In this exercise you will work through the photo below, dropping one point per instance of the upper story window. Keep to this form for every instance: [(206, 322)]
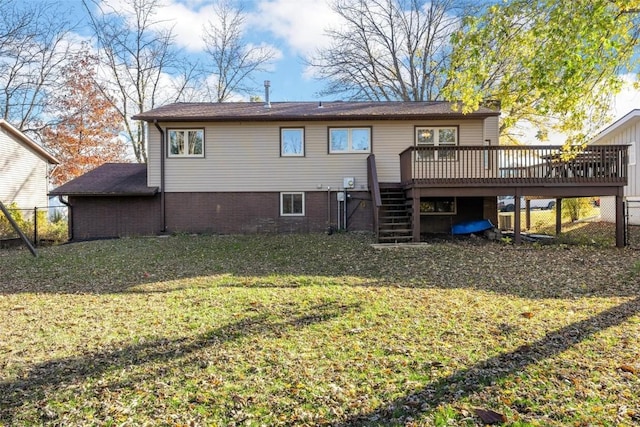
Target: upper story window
[(349, 140), (186, 142), (292, 142), (437, 137)]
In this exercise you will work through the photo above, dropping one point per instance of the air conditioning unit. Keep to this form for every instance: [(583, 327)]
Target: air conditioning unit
[(348, 182)]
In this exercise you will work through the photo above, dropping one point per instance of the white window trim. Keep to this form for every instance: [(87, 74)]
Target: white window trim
[(436, 141), (350, 149), (286, 193), (282, 152), (632, 153), (185, 131)]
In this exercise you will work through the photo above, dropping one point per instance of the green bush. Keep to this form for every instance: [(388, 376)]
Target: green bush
[(6, 229), (574, 209)]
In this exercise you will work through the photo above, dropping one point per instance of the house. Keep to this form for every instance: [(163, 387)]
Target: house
[(25, 168), (625, 131), (398, 169)]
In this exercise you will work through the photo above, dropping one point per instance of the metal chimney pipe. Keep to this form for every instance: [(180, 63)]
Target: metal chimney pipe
[(267, 103)]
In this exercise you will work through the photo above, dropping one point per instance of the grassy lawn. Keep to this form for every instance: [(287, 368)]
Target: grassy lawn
[(318, 330)]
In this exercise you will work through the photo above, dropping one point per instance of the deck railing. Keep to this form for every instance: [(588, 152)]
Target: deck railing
[(514, 165)]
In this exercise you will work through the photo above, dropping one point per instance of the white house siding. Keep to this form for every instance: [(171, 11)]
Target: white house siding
[(242, 157), (625, 131), (23, 174)]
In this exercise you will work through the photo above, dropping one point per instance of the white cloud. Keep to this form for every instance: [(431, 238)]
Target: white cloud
[(300, 24)]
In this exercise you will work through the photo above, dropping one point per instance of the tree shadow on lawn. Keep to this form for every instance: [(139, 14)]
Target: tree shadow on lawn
[(474, 379), (45, 378)]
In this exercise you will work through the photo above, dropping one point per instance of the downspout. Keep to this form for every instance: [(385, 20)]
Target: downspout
[(69, 215), (163, 220)]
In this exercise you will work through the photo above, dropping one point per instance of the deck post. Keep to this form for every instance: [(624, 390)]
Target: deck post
[(415, 216), (558, 216), (516, 220), (619, 221)]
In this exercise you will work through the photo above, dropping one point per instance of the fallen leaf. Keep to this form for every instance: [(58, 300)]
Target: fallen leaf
[(527, 314), (490, 417), (628, 368)]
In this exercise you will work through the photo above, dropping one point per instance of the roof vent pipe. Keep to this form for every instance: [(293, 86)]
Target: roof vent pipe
[(267, 103)]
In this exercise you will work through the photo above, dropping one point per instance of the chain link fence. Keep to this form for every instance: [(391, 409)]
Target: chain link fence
[(584, 220), (632, 216), (42, 225)]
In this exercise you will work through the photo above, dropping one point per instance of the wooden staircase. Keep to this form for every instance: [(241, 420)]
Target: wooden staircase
[(394, 217)]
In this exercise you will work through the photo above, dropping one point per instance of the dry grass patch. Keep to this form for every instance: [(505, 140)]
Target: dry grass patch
[(318, 330)]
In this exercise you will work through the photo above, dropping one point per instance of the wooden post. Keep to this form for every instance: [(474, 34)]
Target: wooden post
[(516, 220), (527, 214), (20, 233), (35, 226), (558, 216), (415, 216)]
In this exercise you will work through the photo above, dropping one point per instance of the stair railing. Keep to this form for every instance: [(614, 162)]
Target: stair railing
[(374, 188)]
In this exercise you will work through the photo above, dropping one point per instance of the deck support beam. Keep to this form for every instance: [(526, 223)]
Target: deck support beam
[(558, 216), (516, 220), (415, 216)]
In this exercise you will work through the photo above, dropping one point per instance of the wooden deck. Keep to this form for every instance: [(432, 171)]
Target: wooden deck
[(509, 166), (486, 171)]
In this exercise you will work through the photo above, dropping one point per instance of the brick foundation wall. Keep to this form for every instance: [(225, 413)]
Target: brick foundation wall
[(102, 217), (245, 213), (224, 213)]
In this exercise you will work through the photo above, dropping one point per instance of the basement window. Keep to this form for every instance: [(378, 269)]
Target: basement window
[(186, 142), (437, 206), (292, 204)]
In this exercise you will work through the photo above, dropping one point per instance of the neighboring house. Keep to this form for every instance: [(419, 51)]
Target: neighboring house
[(625, 131), (398, 169), (24, 169)]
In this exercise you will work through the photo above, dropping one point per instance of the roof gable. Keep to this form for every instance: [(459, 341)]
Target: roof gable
[(625, 120), (28, 142), (310, 111)]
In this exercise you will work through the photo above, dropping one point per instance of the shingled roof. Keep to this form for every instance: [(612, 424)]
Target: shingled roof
[(109, 179), (309, 111)]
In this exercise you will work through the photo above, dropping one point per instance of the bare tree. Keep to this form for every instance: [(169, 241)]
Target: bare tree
[(139, 60), (33, 48), (232, 61), (389, 49)]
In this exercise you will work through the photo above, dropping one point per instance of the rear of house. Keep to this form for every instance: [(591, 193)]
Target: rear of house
[(292, 167), (401, 170)]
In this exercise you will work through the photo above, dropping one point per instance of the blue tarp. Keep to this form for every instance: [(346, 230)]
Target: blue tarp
[(470, 227)]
